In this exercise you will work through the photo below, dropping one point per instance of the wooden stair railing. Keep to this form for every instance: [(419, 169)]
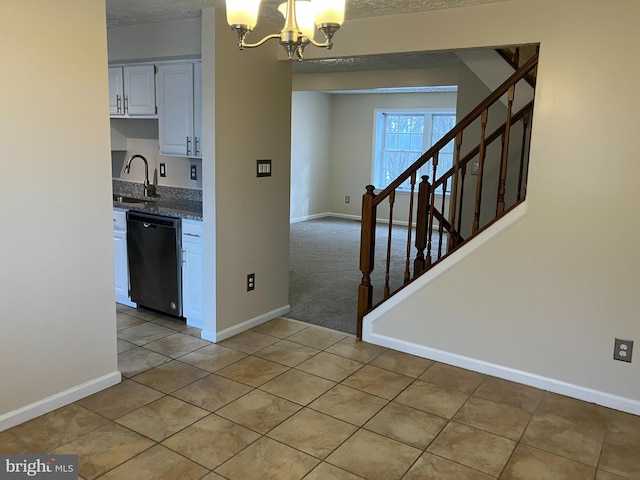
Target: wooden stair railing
[(514, 57), (450, 211)]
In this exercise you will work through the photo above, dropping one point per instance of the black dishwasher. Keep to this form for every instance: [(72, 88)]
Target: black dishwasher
[(154, 251)]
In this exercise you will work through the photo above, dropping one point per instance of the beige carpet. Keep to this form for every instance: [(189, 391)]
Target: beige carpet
[(324, 270)]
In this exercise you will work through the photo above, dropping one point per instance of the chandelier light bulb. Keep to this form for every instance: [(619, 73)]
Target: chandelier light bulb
[(328, 12), (243, 12)]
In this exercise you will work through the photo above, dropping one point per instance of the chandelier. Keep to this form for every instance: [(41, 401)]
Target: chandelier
[(300, 16)]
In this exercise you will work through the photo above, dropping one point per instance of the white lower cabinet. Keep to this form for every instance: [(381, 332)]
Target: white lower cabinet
[(192, 290), (120, 251)]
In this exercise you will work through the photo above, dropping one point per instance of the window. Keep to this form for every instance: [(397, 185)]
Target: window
[(401, 137)]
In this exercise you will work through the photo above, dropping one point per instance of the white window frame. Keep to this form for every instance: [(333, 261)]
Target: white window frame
[(378, 138)]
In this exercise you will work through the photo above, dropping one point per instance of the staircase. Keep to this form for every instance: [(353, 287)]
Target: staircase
[(447, 209)]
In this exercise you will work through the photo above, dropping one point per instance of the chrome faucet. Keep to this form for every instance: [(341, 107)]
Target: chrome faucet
[(149, 189)]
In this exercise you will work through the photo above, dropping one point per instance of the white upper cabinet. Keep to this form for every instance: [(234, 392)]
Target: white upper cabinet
[(132, 91), (197, 108), (180, 109), (116, 87)]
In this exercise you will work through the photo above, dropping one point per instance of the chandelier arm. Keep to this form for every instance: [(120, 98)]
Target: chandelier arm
[(264, 40), (328, 44)]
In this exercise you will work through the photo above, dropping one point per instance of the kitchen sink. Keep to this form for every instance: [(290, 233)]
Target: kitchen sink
[(125, 199)]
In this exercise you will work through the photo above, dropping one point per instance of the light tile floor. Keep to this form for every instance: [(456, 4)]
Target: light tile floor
[(286, 400)]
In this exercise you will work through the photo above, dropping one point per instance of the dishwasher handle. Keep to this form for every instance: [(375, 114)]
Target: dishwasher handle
[(153, 221)]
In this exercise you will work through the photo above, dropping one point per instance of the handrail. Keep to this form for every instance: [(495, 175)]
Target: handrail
[(448, 210), (514, 61), (490, 138), (464, 123)]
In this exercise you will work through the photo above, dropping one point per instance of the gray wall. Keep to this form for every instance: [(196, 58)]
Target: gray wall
[(548, 296), (58, 339), (338, 147), (252, 121), (310, 158)]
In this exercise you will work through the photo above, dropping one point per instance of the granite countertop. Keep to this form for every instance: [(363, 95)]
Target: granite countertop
[(170, 207), (171, 201)]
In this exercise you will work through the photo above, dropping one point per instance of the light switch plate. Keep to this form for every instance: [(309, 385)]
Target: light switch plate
[(264, 168)]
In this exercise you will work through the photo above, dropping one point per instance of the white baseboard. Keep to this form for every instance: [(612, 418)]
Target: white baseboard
[(46, 405), (196, 323), (358, 218), (526, 378), (125, 301), (344, 215), (304, 218), (316, 216), (544, 383), (241, 327)]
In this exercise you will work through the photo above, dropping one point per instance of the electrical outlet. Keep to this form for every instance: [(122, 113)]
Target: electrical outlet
[(622, 350), (347, 199), (251, 282), (163, 169), (194, 172)]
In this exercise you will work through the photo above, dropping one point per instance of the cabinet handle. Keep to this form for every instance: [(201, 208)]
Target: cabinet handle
[(188, 145), (189, 234), (126, 103), (118, 103), (184, 256), (197, 144)]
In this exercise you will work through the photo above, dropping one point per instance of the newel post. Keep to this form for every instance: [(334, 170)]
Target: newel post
[(422, 225), (367, 249)]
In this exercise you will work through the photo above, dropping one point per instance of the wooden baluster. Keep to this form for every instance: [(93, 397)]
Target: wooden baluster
[(524, 185), (441, 226), (407, 264), (392, 199), (523, 154), (367, 251), (454, 192), (432, 204), (505, 154), (516, 57), (463, 172), (422, 225), (481, 156)]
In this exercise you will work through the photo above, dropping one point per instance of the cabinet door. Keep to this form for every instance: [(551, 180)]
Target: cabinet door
[(175, 109), (192, 292), (120, 254), (197, 109), (120, 250), (140, 90), (116, 106)]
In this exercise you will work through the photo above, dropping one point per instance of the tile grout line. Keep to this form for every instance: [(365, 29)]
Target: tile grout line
[(358, 428)]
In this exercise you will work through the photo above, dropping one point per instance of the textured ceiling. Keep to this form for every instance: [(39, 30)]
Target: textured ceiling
[(122, 13), (133, 12), (389, 61)]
